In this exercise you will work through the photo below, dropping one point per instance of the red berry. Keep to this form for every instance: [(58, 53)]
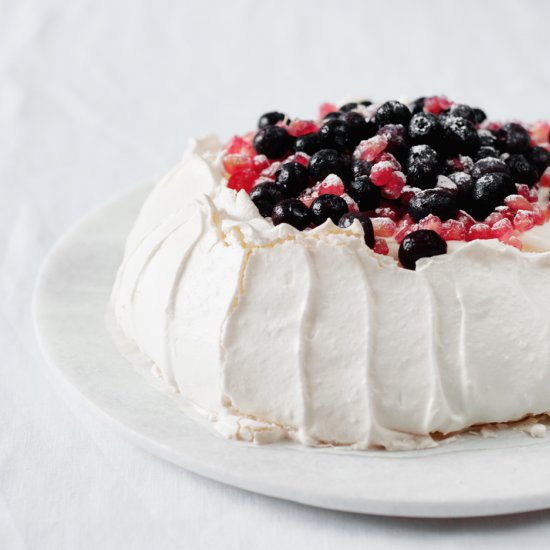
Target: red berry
[(431, 222), (503, 230), (235, 162), (388, 157), (407, 193), (404, 222), (493, 218), (392, 190), (436, 104), (239, 145), (545, 178), (517, 202), (244, 179), (331, 185), (403, 232), (302, 158), (381, 246), (381, 173), (271, 170), (479, 231), (465, 219), (260, 162), (506, 211), (515, 242), (539, 215), (371, 149), (352, 205), (539, 131), (453, 230), (299, 127), (387, 212), (524, 220), (383, 227), (326, 108)]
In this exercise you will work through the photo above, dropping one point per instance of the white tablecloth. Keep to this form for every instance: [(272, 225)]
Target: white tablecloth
[(98, 96)]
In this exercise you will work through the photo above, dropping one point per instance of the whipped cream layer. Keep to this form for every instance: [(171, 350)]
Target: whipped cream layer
[(312, 336)]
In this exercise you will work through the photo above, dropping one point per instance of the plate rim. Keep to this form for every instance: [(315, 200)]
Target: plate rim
[(425, 509)]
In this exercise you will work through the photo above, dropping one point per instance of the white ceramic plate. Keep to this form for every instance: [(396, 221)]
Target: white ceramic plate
[(469, 477)]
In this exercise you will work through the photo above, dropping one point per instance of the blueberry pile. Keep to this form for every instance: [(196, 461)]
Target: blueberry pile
[(436, 170)]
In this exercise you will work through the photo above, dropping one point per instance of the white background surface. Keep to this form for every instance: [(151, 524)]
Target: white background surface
[(98, 96)]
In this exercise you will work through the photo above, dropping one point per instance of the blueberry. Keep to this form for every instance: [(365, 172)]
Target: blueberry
[(489, 165), (417, 106), (488, 192), (463, 182), (521, 170), (423, 166), (292, 178), (486, 151), (348, 107), (273, 141), (270, 119), (392, 112), (293, 212), (397, 137), (463, 111), (486, 137), (439, 202), (514, 138), (336, 134), (265, 196), (329, 161), (360, 128), (361, 167), (459, 136), (347, 220), (364, 193), (425, 128), (423, 243), (540, 158), (332, 114), (309, 144), (365, 102), (479, 115), (328, 206)]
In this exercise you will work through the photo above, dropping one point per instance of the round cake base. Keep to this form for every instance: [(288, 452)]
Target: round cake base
[(468, 476)]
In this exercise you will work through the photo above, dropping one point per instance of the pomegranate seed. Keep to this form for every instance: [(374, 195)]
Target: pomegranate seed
[(260, 162), (302, 158), (239, 145), (436, 104), (402, 233), (539, 215), (430, 222), (236, 162), (387, 212), (506, 211), (244, 179), (370, 149), (524, 220), (271, 170), (515, 242), (493, 218), (394, 187), (299, 127), (331, 185), (492, 126), (308, 196), (404, 222), (517, 202), (407, 193), (383, 227), (547, 212), (326, 108), (465, 219), (530, 194), (381, 173), (388, 157), (503, 229), (540, 131), (545, 178), (460, 164), (381, 246), (479, 231), (453, 230), (352, 205)]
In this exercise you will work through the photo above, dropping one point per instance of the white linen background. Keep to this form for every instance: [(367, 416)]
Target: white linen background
[(99, 96)]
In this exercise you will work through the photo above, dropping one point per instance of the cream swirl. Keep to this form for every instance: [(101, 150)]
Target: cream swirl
[(311, 335)]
